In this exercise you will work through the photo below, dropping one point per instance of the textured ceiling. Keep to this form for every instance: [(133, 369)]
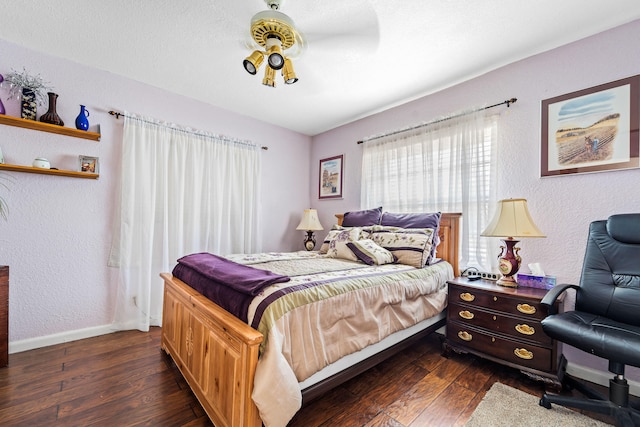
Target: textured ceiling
[(363, 56)]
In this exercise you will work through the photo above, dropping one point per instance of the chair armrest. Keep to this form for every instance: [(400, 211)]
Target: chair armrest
[(553, 294)]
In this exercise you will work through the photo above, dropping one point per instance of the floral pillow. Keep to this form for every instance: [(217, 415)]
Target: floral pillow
[(338, 245), (370, 253), (336, 229), (410, 246), (415, 220), (325, 243)]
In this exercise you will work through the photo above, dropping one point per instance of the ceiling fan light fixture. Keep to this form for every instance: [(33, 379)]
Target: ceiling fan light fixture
[(287, 72), (274, 53), (252, 62), (275, 32), (269, 77)]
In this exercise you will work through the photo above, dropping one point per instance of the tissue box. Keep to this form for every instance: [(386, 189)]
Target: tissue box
[(531, 281)]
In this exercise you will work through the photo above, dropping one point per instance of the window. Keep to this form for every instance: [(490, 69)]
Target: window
[(448, 166)]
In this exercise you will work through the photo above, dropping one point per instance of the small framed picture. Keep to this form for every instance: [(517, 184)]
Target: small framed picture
[(331, 178), (88, 164)]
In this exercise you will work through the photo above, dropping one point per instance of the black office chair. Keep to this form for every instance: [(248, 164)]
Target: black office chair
[(606, 319)]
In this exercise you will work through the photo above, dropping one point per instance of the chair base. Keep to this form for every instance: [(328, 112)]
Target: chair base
[(616, 405)]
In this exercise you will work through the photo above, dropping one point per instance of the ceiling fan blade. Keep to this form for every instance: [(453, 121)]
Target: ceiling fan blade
[(339, 26)]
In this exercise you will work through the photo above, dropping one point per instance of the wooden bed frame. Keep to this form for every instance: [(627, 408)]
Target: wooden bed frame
[(217, 353)]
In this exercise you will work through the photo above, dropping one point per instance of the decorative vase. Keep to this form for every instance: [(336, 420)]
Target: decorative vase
[(51, 116), (28, 104), (82, 122), (2, 110)]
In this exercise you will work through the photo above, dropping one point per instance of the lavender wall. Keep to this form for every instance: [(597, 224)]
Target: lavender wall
[(58, 235), (562, 207)]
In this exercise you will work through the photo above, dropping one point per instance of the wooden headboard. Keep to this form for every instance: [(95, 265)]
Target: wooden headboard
[(449, 248)]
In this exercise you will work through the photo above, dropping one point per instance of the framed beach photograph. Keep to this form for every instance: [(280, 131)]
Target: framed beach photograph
[(591, 130), (88, 164), (331, 177)]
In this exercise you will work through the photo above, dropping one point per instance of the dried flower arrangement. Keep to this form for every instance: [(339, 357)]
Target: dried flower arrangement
[(17, 81)]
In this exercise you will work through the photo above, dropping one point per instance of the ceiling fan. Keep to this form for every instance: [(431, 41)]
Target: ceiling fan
[(276, 38), (275, 32)]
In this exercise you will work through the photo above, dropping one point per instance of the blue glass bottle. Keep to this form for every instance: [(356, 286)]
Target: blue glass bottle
[(82, 122)]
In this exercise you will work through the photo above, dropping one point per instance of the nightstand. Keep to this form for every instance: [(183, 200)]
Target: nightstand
[(501, 324)]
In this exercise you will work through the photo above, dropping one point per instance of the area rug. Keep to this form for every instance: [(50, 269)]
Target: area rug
[(506, 406)]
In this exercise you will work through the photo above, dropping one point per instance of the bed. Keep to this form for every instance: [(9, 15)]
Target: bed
[(220, 356)]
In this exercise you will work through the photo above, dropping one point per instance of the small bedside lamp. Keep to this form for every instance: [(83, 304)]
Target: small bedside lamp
[(511, 220), (310, 223)]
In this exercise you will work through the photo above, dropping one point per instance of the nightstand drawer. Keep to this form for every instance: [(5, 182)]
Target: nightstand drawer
[(517, 327), (519, 353), (497, 302)]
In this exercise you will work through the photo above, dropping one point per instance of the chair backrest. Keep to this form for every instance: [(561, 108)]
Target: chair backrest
[(610, 281)]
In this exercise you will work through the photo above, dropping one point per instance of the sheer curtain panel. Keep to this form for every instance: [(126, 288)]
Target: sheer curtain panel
[(182, 191), (447, 166)]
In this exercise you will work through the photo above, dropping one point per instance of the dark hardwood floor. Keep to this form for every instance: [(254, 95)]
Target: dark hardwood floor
[(125, 379)]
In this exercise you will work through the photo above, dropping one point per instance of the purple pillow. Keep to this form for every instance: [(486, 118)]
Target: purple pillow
[(412, 220), (416, 220), (362, 218)]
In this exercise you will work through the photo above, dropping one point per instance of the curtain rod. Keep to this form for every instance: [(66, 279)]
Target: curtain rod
[(117, 115), (508, 102)]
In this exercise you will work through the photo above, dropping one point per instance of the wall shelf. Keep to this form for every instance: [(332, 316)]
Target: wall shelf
[(43, 171), (47, 127)]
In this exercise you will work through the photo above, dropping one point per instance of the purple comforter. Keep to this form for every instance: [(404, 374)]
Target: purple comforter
[(229, 284)]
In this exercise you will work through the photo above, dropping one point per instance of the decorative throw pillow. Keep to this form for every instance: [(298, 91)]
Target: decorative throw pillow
[(362, 218), (336, 229), (330, 236), (338, 245), (367, 251), (416, 220), (409, 246)]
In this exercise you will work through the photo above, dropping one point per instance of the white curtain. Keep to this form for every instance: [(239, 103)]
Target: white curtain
[(447, 166), (182, 191)]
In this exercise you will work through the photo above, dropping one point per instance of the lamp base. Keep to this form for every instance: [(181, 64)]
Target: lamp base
[(507, 281), (309, 241), (509, 263)]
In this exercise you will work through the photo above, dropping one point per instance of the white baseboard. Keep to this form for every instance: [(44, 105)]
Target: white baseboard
[(599, 377), (62, 337)]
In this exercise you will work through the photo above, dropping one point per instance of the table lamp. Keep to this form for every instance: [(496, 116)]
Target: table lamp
[(511, 220), (310, 223)]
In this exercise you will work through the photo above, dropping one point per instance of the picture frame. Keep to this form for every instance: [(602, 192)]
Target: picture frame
[(88, 164), (591, 130), (330, 177)]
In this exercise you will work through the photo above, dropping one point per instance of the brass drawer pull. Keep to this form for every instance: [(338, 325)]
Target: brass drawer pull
[(526, 309), (523, 353), (465, 336), (525, 329), (465, 296), (466, 315)]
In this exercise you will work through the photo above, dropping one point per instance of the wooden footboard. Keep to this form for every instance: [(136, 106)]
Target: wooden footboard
[(215, 352)]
